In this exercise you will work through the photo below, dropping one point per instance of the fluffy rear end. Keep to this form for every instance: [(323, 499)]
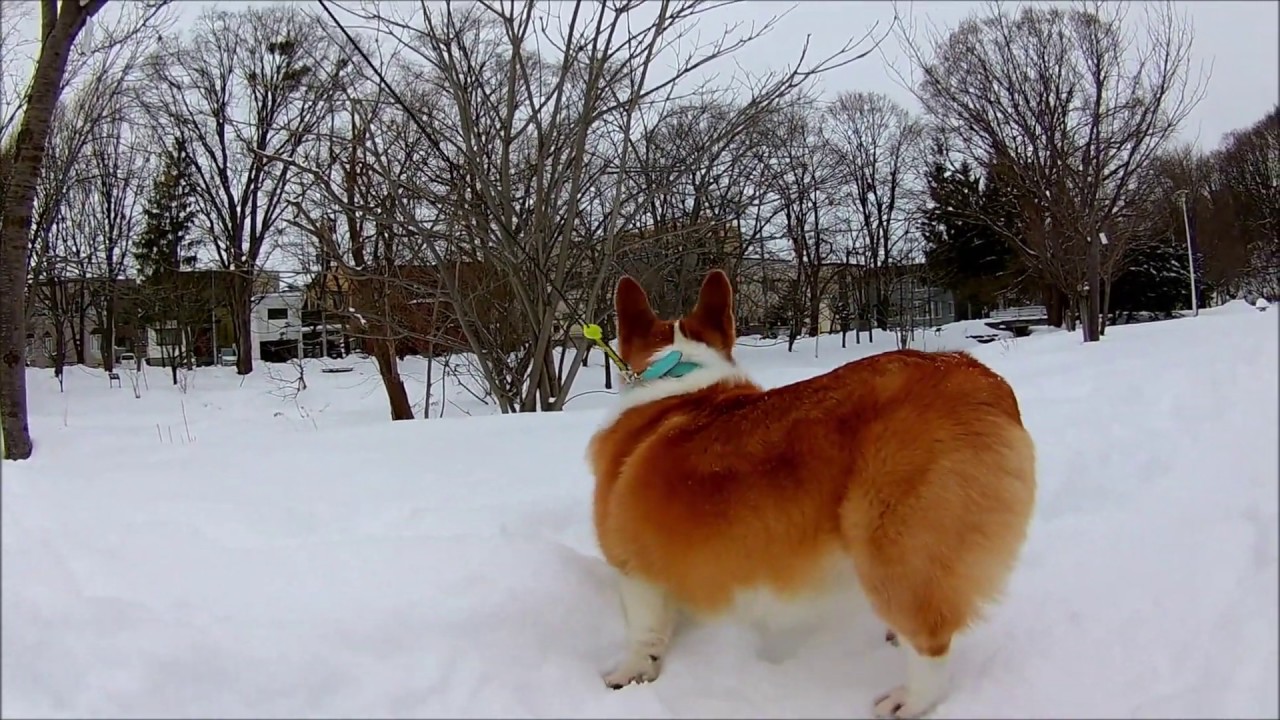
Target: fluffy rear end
[(935, 536)]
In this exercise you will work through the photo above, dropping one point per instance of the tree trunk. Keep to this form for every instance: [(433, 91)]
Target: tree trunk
[(59, 351), (1055, 308), (431, 357), (815, 306), (881, 312), (1092, 299), (58, 34), (389, 369), (555, 390), (108, 333), (426, 395), (241, 310), (80, 340)]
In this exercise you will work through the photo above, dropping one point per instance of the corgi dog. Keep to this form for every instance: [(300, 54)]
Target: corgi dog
[(911, 471)]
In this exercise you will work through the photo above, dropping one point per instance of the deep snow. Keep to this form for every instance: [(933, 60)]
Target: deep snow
[(269, 557)]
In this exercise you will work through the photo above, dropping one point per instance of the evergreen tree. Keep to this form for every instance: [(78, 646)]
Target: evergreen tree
[(1155, 280), (966, 251), (162, 250), (165, 246)]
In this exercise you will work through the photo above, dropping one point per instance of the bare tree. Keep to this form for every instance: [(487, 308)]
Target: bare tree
[(695, 178), (118, 173), (1248, 165), (341, 204), (880, 146), (530, 122), (1068, 104), (63, 279), (803, 175), (20, 166), (245, 91), (14, 82), (55, 271)]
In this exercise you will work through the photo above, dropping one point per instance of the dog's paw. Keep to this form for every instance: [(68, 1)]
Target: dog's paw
[(635, 670), (897, 703), (891, 637)]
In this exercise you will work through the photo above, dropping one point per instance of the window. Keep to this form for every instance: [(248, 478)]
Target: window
[(169, 337), (277, 313)]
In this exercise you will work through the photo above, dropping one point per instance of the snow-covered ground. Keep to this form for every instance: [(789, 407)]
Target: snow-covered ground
[(228, 552)]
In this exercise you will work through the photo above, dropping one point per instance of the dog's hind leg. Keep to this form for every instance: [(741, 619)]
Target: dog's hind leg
[(927, 680), (650, 617)]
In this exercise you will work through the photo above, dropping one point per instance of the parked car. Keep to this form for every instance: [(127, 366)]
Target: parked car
[(227, 357)]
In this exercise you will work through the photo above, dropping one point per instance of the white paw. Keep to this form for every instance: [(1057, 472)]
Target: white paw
[(897, 703), (635, 669)]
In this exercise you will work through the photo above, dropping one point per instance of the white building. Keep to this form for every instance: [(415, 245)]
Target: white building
[(165, 343), (276, 325)]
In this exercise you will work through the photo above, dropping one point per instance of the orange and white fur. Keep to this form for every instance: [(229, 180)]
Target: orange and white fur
[(909, 471)]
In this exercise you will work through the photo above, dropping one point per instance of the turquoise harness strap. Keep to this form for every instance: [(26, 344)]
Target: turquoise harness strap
[(670, 365)]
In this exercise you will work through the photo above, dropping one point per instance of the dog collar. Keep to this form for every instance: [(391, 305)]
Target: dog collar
[(671, 365)]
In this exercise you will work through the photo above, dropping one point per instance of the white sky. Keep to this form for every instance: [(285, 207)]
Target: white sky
[(1236, 45)]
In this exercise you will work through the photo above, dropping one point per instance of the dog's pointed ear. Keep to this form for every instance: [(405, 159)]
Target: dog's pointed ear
[(715, 303), (635, 316)]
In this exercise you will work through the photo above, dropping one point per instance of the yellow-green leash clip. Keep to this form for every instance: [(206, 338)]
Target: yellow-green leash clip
[(593, 333)]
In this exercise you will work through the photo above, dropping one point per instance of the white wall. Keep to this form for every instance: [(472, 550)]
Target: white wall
[(156, 353), (276, 316)]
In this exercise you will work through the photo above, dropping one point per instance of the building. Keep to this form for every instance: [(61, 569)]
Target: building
[(72, 315), (912, 300), (411, 305), (671, 259), (766, 296), (763, 293), (188, 314), (276, 326)]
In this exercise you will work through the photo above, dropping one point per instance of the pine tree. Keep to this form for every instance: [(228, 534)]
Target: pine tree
[(967, 251), (1154, 281), (165, 246), (162, 250)]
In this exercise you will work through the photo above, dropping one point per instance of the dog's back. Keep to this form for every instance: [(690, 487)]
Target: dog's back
[(727, 489)]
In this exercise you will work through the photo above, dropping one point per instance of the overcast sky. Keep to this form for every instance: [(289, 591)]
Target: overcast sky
[(1239, 42), (1236, 47)]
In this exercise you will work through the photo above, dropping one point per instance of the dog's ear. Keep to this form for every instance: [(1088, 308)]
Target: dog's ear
[(635, 316), (714, 310)]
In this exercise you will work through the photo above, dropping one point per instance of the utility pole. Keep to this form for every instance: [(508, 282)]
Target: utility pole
[(1191, 258)]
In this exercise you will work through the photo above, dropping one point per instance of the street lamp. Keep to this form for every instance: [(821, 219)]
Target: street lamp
[(1191, 258)]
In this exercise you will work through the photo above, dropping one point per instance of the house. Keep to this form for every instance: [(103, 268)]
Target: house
[(188, 316), (911, 299), (410, 304), (766, 287), (762, 293), (276, 326), (82, 318), (670, 259), (766, 294)]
